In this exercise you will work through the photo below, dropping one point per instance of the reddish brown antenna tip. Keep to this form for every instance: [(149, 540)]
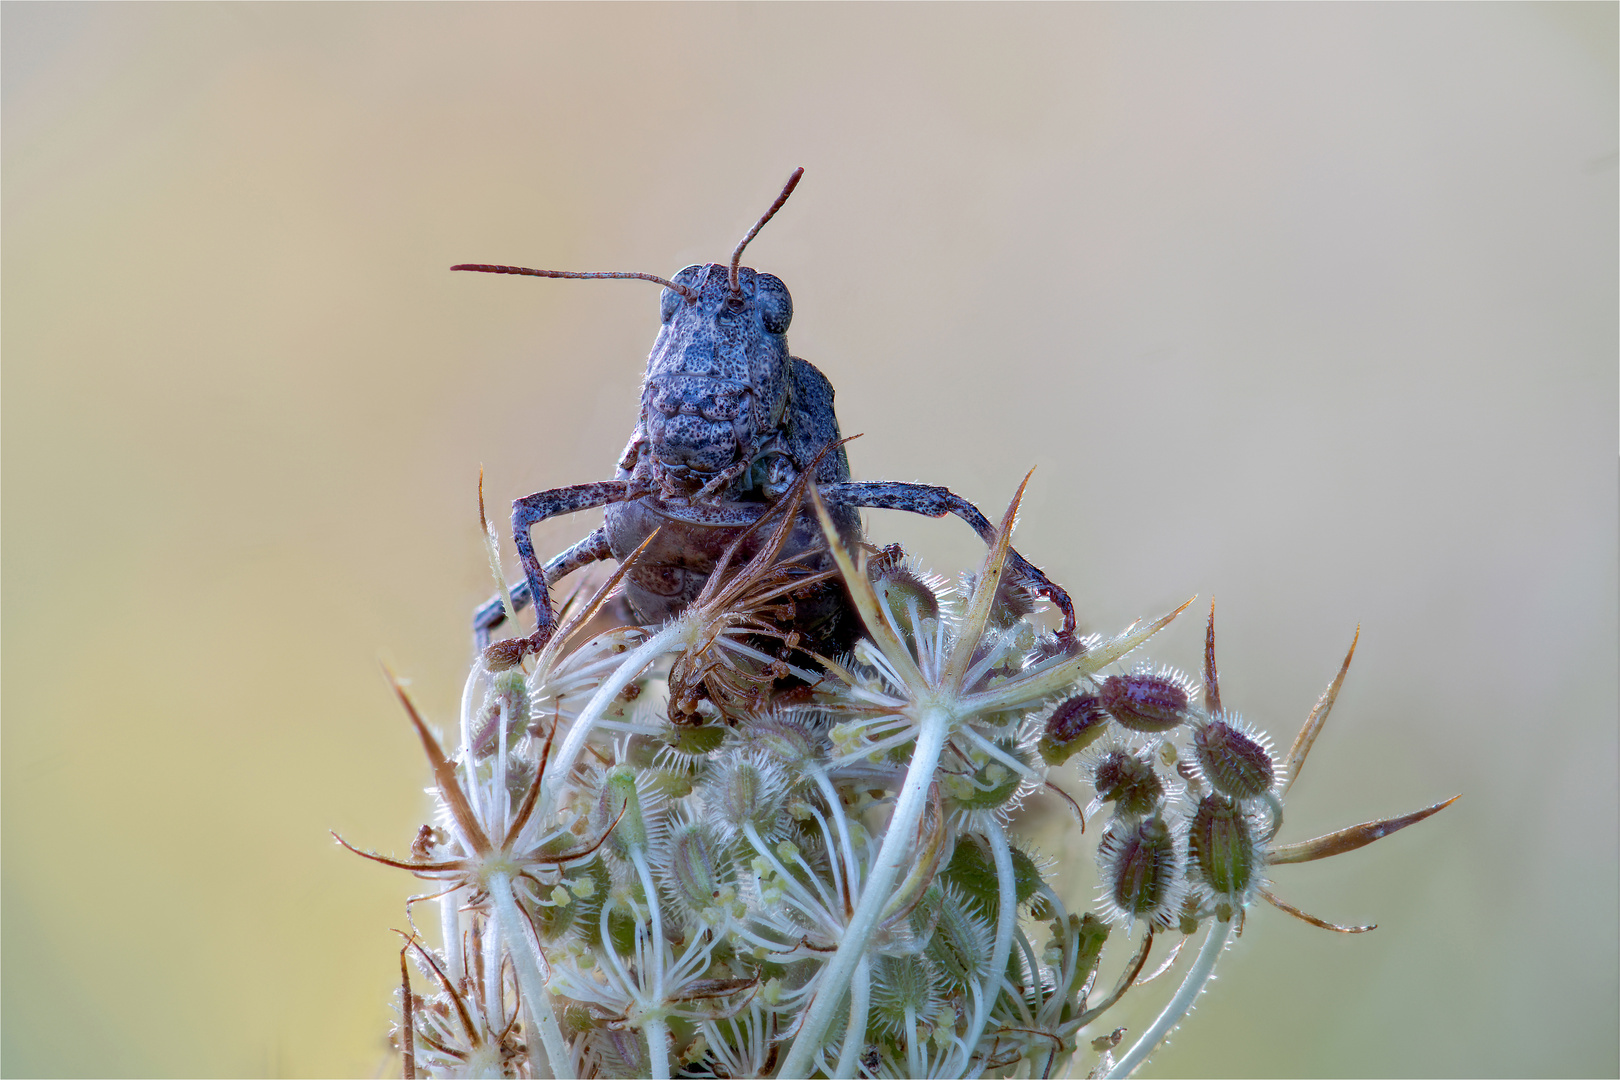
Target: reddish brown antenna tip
[(736, 256), (491, 268)]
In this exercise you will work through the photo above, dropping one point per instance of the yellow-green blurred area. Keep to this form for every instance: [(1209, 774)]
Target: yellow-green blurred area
[(1311, 309)]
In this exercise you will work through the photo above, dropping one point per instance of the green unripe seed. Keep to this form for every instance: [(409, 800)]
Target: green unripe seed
[(902, 590), (988, 788), (1221, 846), (1129, 782), (697, 740), (973, 872), (1140, 864), (694, 863), (902, 983), (1074, 725), (1235, 764)]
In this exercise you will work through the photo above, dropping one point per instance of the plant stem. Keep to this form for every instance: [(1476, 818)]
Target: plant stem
[(860, 1000), (494, 1003), (657, 1032), (897, 842), (1006, 923), (562, 764), (1197, 976), (538, 1065), (515, 930), (655, 1027), (450, 931)]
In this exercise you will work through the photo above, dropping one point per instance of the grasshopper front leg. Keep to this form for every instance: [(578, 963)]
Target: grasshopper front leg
[(526, 513), (490, 614), (931, 501)]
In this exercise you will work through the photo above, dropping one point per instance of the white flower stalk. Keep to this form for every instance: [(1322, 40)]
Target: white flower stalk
[(699, 850), (1198, 976), (948, 678)]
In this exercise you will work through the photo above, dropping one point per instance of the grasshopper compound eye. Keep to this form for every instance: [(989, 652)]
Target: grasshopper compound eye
[(775, 304)]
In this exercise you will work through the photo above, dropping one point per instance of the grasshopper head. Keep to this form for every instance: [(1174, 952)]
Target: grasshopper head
[(718, 375)]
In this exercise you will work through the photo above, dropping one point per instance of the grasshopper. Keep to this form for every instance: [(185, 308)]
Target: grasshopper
[(729, 422)]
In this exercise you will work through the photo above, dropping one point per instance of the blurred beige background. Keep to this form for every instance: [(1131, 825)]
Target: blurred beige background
[(1308, 308)]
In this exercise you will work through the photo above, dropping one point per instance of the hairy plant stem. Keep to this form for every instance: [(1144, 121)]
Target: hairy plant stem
[(655, 1027), (494, 996), (657, 1032), (516, 932), (1197, 976), (450, 930), (860, 1002), (898, 839)]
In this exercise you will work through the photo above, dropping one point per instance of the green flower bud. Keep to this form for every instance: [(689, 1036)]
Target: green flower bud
[(508, 693), (620, 801), (1086, 936), (552, 921)]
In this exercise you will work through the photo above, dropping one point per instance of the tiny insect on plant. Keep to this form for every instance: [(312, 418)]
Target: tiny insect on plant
[(729, 420), (766, 827)]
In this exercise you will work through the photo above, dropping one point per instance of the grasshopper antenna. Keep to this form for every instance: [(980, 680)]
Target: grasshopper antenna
[(489, 268), (736, 256)]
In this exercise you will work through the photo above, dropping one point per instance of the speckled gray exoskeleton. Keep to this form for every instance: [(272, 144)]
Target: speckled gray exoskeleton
[(729, 421)]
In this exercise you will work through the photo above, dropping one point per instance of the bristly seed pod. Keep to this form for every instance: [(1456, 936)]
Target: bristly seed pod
[(1146, 701), (905, 992), (1222, 848), (1129, 782), (960, 947), (1074, 725), (745, 789), (972, 874), (911, 595), (507, 693), (1235, 761), (1140, 868), (700, 871), (786, 740)]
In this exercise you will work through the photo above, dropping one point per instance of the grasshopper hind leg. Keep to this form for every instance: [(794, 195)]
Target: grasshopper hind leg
[(931, 501)]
